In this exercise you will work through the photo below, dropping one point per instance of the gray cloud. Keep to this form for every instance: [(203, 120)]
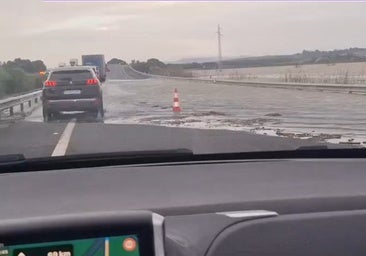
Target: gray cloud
[(56, 32), (86, 23)]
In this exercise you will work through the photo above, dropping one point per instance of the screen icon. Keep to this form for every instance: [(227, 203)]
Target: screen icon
[(3, 251), (129, 244)]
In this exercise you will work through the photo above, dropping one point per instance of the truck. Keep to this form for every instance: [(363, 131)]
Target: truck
[(97, 60)]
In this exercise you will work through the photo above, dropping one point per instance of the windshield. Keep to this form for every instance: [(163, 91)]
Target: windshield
[(80, 77)]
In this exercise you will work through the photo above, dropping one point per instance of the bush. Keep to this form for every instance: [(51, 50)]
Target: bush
[(15, 80), (156, 67), (26, 65), (5, 79), (117, 61), (20, 75)]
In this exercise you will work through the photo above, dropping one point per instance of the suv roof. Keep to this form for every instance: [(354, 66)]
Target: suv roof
[(72, 68)]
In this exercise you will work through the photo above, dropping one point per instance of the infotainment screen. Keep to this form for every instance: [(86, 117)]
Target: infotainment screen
[(127, 233), (101, 246)]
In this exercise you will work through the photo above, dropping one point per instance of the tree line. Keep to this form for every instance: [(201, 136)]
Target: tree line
[(157, 67), (20, 75), (154, 66)]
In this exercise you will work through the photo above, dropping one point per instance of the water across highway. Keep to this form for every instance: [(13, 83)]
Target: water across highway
[(138, 115)]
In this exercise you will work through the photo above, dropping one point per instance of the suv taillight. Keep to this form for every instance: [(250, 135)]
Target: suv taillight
[(50, 83), (92, 81)]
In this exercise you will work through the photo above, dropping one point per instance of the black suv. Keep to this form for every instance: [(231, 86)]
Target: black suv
[(72, 89)]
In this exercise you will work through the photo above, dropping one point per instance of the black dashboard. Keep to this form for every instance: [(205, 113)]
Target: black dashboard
[(255, 207)]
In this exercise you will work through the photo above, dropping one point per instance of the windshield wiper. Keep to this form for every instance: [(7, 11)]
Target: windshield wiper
[(313, 147), (18, 163), (176, 156), (15, 158)]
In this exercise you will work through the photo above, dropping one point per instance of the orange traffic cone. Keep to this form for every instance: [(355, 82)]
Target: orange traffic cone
[(176, 106)]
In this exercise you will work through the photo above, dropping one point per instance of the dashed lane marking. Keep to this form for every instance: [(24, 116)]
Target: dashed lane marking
[(61, 147)]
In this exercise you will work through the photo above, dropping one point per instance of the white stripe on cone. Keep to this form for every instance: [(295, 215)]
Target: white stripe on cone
[(176, 106)]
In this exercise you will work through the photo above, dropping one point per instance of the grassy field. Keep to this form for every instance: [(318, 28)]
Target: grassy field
[(340, 73)]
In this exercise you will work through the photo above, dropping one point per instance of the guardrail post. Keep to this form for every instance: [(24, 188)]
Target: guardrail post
[(29, 103), (36, 100), (22, 107), (11, 111)]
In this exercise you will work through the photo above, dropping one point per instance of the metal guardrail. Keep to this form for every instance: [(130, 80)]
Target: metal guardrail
[(10, 103), (349, 88)]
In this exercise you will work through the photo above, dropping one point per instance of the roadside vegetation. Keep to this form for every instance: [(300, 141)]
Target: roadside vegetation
[(157, 67), (117, 61), (20, 76)]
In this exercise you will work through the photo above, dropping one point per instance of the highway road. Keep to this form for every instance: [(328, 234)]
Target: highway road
[(215, 118)]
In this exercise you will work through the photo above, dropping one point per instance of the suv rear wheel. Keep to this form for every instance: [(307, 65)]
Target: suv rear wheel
[(47, 116), (98, 114), (101, 110)]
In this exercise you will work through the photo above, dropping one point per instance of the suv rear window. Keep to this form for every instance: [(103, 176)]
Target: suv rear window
[(71, 75)]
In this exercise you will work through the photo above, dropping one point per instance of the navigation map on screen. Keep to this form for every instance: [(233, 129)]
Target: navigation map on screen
[(106, 246)]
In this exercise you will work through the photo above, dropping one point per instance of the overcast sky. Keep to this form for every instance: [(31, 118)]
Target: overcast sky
[(56, 32)]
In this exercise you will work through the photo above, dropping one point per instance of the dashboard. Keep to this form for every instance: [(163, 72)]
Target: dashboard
[(266, 207)]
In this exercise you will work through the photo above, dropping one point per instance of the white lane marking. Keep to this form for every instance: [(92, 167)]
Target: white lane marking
[(63, 143)]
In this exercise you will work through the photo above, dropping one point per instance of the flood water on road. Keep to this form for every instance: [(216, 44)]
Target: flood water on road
[(273, 111), (260, 110)]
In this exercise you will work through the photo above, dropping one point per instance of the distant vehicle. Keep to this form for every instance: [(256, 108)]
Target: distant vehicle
[(95, 68), (97, 60), (74, 62), (72, 89)]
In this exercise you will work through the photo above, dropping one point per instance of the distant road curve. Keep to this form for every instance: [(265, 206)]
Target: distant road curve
[(124, 72)]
